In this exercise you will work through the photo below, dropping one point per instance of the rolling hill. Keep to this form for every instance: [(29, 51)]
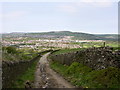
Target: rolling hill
[(58, 34)]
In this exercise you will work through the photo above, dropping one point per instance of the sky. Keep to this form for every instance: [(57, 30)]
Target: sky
[(88, 16)]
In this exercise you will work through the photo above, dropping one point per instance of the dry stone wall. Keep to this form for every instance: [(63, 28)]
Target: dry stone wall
[(12, 69), (96, 58)]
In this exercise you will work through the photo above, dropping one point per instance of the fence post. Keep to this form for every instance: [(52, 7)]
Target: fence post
[(103, 44)]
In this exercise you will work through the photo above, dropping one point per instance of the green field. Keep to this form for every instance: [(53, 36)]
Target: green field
[(96, 44), (88, 45), (62, 51)]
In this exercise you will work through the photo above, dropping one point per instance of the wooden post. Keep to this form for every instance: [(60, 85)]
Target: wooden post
[(103, 44)]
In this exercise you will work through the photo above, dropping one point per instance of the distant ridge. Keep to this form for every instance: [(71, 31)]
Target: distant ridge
[(77, 35)]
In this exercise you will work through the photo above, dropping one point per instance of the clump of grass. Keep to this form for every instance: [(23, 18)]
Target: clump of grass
[(77, 67), (116, 48), (59, 67), (81, 75), (109, 77)]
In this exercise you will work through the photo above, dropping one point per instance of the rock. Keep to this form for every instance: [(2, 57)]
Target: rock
[(28, 84)]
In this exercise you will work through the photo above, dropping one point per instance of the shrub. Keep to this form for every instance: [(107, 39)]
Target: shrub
[(11, 49)]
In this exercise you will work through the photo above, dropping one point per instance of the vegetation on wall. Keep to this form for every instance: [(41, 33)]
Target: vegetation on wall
[(12, 53), (83, 76), (26, 76)]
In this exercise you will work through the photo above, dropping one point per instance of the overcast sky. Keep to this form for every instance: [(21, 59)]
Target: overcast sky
[(86, 16)]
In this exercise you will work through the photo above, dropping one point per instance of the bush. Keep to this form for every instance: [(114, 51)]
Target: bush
[(11, 49)]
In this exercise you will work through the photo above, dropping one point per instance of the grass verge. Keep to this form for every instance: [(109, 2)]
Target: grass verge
[(82, 76)]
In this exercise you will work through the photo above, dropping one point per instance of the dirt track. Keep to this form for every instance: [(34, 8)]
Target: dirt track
[(45, 77)]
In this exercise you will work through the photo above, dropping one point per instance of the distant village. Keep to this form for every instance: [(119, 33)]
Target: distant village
[(65, 42)]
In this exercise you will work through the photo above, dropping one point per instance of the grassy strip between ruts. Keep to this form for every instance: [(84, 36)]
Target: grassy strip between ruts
[(28, 75), (82, 76)]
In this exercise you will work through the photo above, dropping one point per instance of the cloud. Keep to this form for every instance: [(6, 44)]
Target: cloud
[(12, 15), (97, 3), (68, 8), (88, 1), (73, 7), (102, 4)]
